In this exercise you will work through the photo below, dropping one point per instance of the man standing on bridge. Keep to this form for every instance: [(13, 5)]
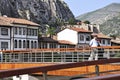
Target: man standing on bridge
[(93, 44)]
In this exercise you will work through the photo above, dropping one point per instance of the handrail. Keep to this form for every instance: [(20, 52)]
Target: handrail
[(45, 69), (60, 49)]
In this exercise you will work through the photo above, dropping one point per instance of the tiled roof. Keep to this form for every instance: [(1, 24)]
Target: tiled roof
[(101, 35), (47, 39), (10, 21), (4, 23), (65, 42), (79, 29), (116, 41)]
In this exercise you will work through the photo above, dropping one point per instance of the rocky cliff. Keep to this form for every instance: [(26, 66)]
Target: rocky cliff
[(39, 11)]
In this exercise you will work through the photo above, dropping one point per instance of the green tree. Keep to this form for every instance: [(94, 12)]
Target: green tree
[(50, 31), (87, 22), (72, 21)]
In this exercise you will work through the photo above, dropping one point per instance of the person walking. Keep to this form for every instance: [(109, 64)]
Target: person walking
[(93, 44)]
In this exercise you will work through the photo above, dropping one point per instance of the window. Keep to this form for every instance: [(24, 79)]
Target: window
[(35, 44), (95, 30), (20, 44), (31, 44), (108, 41), (28, 32), (32, 32), (50, 45), (81, 37), (20, 31), (15, 44), (44, 45), (87, 38), (4, 31), (24, 44), (15, 30), (27, 43), (35, 32), (89, 28), (4, 45), (103, 41), (24, 31)]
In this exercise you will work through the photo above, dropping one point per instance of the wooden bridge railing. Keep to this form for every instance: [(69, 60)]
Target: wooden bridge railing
[(86, 49), (56, 54), (45, 69)]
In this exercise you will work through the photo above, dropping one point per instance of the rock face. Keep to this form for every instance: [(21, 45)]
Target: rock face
[(39, 11)]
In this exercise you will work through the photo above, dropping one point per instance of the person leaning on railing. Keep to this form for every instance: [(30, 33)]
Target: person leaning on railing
[(94, 52)]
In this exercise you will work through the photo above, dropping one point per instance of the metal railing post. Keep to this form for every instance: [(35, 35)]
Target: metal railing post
[(45, 76), (97, 70), (52, 57)]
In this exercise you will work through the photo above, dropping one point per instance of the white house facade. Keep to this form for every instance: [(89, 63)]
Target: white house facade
[(75, 35), (69, 35), (18, 34)]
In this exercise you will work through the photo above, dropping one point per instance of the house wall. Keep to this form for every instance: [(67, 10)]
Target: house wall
[(68, 35), (89, 27), (4, 38), (86, 38), (78, 38), (105, 42), (24, 36), (8, 36)]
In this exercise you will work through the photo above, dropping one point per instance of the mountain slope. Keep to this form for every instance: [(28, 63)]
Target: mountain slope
[(108, 18), (111, 26), (101, 15)]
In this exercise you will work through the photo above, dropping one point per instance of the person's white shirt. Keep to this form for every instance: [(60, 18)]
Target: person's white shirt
[(93, 43)]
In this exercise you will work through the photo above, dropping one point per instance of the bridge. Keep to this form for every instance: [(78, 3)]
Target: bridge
[(69, 58), (46, 69)]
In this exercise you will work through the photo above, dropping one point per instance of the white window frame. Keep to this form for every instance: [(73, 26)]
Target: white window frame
[(81, 37), (4, 31), (3, 46)]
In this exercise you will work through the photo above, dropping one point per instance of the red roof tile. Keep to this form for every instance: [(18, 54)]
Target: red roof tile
[(65, 42), (117, 40), (47, 39), (9, 21), (80, 29), (100, 35), (4, 23)]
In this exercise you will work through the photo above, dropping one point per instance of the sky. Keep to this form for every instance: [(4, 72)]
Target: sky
[(79, 7)]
